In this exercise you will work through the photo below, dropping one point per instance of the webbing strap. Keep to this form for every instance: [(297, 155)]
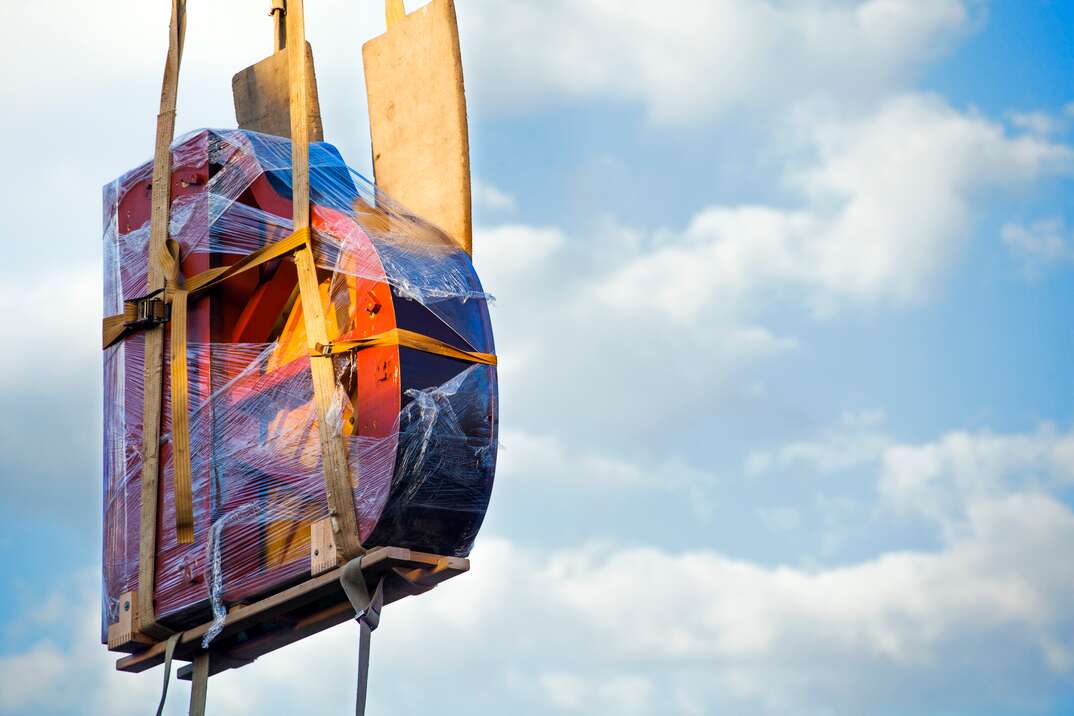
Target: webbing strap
[(365, 633), (182, 476), (169, 652), (213, 277), (367, 609), (115, 328), (406, 339), (180, 384)]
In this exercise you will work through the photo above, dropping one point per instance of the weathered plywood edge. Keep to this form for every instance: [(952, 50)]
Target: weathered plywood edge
[(417, 118), (262, 97)]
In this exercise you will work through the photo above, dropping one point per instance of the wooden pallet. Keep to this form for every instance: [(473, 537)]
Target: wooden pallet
[(252, 630)]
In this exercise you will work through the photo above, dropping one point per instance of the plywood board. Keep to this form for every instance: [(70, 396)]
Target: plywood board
[(417, 117), (263, 99)]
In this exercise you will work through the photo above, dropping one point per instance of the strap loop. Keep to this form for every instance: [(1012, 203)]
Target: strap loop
[(169, 652)]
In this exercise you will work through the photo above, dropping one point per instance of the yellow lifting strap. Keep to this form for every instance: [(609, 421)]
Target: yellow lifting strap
[(405, 339), (202, 282)]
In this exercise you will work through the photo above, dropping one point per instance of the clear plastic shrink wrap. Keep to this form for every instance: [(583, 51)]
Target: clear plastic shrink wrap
[(419, 427)]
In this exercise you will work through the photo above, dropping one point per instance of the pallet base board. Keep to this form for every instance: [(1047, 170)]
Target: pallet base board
[(317, 604)]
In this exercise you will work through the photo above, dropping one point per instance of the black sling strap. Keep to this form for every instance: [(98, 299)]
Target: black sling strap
[(367, 613)]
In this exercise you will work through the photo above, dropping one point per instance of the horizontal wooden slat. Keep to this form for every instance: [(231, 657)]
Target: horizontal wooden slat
[(303, 610)]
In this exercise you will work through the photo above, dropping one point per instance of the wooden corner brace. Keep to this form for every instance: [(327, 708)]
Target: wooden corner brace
[(124, 635), (323, 553)]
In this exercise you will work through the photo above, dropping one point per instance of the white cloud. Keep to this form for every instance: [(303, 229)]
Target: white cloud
[(76, 675), (781, 519), (1038, 244), (45, 663), (939, 479), (50, 387), (858, 440), (888, 207), (686, 61), (599, 380), (606, 694), (507, 253), (57, 323), (544, 458), (1043, 122), (491, 199), (557, 348), (645, 630), (1035, 122)]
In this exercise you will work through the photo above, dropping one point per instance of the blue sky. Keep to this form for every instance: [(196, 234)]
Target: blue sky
[(783, 297)]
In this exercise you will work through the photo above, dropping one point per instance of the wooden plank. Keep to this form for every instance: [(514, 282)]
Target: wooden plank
[(323, 553), (263, 98), (337, 477), (279, 25), (303, 610), (241, 653), (217, 664), (236, 620), (200, 685), (246, 652), (124, 634), (154, 337), (394, 11), (417, 116)]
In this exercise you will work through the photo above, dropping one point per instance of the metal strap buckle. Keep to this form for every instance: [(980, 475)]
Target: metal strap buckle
[(151, 310)]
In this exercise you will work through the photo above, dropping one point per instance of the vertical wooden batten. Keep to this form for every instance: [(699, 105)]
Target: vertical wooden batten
[(337, 479), (153, 376)]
